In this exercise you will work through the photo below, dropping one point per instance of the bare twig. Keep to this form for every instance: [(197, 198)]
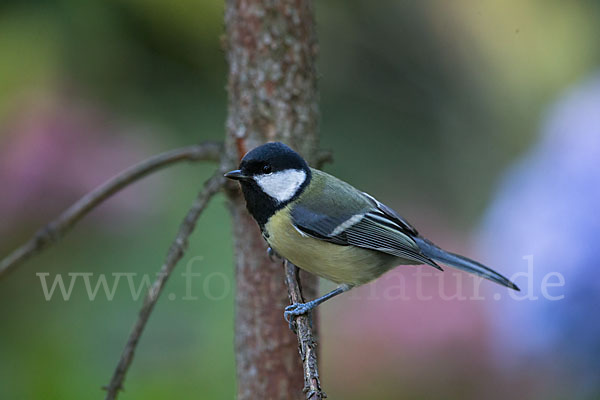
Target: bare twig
[(323, 157), (175, 253), (307, 343), (54, 230)]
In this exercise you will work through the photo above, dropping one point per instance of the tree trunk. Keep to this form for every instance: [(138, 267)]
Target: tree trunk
[(271, 49)]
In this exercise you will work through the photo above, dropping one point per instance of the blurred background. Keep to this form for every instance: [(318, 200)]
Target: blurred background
[(480, 120)]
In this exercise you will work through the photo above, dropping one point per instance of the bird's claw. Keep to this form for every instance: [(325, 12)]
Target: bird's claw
[(294, 310)]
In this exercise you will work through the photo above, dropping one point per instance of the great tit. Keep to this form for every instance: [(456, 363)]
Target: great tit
[(331, 229)]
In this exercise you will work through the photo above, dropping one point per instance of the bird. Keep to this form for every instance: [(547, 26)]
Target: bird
[(329, 228)]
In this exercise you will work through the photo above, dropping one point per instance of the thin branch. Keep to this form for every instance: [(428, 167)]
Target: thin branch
[(323, 157), (49, 234), (175, 253), (307, 344)]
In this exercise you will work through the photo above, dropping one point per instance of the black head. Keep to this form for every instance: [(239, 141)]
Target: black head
[(271, 176)]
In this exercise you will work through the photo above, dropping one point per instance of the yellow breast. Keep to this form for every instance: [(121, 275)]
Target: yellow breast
[(340, 264)]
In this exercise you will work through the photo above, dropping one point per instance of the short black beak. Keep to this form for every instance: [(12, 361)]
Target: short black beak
[(237, 175)]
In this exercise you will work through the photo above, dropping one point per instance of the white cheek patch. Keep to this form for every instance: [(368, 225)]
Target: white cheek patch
[(281, 185)]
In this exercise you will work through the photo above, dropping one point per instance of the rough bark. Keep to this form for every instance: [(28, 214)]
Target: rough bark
[(271, 49)]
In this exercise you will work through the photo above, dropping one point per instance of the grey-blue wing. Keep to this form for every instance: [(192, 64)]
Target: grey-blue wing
[(318, 224), (392, 215), (375, 233), (371, 228)]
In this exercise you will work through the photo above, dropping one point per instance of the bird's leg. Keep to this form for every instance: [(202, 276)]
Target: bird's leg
[(272, 253), (296, 309)]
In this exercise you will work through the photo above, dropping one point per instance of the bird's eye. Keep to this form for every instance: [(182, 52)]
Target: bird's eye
[(266, 169)]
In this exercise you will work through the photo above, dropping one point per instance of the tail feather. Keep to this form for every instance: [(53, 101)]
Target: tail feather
[(432, 251)]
